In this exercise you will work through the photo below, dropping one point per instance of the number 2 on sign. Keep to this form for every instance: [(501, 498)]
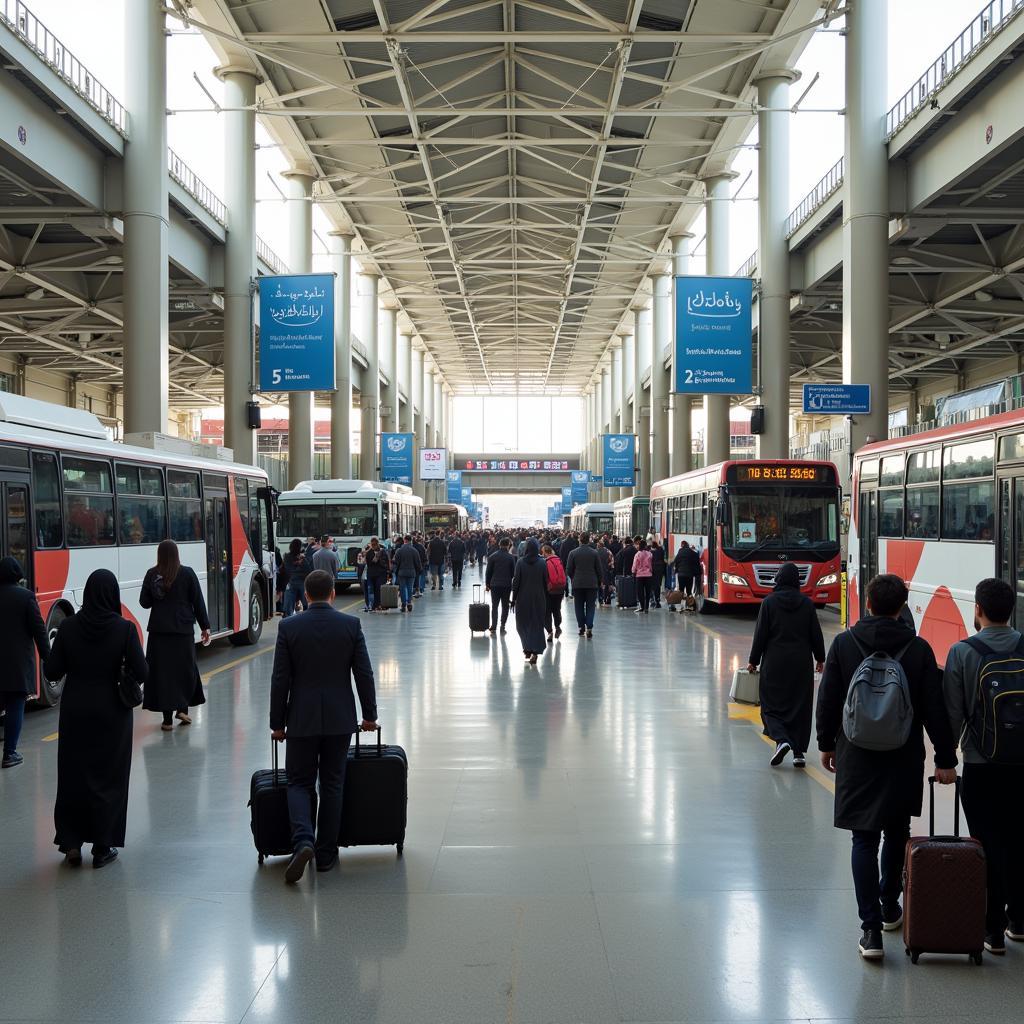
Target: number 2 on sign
[(689, 377)]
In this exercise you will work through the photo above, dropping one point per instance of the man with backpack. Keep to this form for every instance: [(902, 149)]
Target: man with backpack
[(880, 687), (978, 670)]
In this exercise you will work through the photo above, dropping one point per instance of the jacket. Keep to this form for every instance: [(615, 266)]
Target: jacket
[(960, 681), (687, 562), (437, 551), (658, 559), (327, 560), (22, 632), (406, 561), (457, 550), (584, 568), (642, 565), (298, 567), (624, 560), (501, 567), (421, 551), (180, 608), (378, 564), (566, 548), (316, 657)]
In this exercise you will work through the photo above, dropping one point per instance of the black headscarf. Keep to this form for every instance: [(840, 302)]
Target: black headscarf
[(532, 551), (10, 572), (788, 577), (101, 603)]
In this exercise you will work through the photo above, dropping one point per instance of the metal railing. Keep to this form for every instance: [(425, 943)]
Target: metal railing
[(748, 266), (56, 55), (990, 20), (272, 260), (801, 447), (196, 187), (817, 197)]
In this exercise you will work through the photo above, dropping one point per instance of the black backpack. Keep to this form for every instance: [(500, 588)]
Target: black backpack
[(996, 721)]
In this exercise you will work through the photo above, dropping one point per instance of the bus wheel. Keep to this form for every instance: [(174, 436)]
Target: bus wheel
[(49, 693), (341, 588), (704, 606), (252, 633)]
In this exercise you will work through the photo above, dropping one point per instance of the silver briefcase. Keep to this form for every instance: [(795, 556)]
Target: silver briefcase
[(745, 687)]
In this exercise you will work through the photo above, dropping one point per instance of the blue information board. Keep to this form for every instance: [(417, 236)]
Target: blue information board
[(619, 460), (566, 500), (454, 486), (396, 453), (837, 399), (297, 333), (596, 483), (714, 336), (467, 497), (580, 485)]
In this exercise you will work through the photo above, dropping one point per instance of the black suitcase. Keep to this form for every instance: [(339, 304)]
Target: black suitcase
[(625, 591), (479, 612), (376, 796), (268, 803)]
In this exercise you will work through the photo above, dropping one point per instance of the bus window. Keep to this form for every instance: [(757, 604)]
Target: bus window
[(15, 540), (922, 513), (141, 513), (968, 511), (257, 522), (88, 502), (46, 490), (302, 521), (242, 497), (890, 516), (184, 506), (970, 459), (354, 520)]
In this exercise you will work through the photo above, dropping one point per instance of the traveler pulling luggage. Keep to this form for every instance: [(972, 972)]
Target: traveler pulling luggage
[(625, 591), (479, 612), (389, 596), (944, 890), (376, 796), (268, 803)]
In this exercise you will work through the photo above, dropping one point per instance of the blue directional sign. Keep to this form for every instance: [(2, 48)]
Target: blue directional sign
[(466, 497), (596, 483), (837, 399), (580, 482), (714, 336), (454, 486), (297, 333), (396, 452), (619, 460), (566, 500)]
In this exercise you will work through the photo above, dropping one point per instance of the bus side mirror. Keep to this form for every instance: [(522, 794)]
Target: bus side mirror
[(722, 513)]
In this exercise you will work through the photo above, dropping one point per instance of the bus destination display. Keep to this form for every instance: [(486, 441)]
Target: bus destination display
[(798, 473)]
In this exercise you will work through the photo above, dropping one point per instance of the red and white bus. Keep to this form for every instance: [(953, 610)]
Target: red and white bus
[(73, 501), (943, 509), (747, 519)]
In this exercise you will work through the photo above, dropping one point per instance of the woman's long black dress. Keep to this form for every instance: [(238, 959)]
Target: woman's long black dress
[(530, 593)]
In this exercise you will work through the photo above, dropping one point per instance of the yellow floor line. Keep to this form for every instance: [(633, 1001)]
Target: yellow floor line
[(51, 737)]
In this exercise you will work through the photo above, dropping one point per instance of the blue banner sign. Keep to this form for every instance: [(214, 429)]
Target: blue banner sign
[(566, 500), (580, 482), (454, 486), (837, 399), (396, 455), (467, 497), (297, 333), (619, 460), (596, 483), (714, 336)]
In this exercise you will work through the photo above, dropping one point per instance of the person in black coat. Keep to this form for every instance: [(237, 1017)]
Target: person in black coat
[(688, 569), (172, 593), (437, 553), (787, 639), (565, 549), (624, 559), (313, 708), (878, 792), (378, 569), (658, 567), (501, 567), (21, 634), (457, 559), (530, 600), (94, 752)]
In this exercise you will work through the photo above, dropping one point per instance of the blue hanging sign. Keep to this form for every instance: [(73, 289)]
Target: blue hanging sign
[(454, 486), (837, 399), (396, 452), (467, 497), (596, 483), (714, 336), (619, 469), (566, 500), (580, 482), (297, 333)]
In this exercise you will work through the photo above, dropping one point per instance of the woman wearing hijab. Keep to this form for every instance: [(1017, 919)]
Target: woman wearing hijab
[(21, 630), (94, 752), (530, 600), (789, 647), (174, 598)]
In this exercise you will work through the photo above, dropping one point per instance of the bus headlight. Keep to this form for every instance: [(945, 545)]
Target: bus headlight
[(825, 581), (733, 580)]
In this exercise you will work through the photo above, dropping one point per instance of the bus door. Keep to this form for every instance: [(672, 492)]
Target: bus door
[(15, 535), (711, 581), (867, 537), (219, 602), (1010, 555)]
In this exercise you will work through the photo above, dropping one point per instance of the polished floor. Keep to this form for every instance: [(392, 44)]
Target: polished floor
[(596, 839)]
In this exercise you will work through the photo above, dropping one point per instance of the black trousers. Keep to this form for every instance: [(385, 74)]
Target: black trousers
[(308, 758), (643, 591), (553, 616), (685, 584), (877, 888), (657, 578), (456, 573), (499, 596), (991, 795)]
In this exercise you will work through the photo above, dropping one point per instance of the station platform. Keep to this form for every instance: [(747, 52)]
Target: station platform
[(596, 839)]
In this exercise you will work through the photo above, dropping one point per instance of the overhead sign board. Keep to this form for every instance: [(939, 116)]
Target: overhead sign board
[(580, 485), (619, 463), (433, 463), (566, 500), (454, 490), (837, 399), (714, 336), (396, 455), (297, 332), (515, 464)]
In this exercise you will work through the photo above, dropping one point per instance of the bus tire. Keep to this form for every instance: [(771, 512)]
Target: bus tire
[(49, 693), (705, 607), (341, 588), (250, 636)]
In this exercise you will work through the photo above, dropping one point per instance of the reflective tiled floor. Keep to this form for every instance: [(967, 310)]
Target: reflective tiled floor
[(595, 839)]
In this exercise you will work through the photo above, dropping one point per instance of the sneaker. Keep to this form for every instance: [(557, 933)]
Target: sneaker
[(799, 761), (1015, 931), (995, 944), (779, 756), (558, 632), (582, 631), (892, 917), (297, 865), (871, 944), (12, 760), (101, 858), (590, 634)]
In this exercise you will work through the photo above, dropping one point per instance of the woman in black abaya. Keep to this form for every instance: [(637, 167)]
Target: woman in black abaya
[(94, 752), (530, 600), (788, 646)]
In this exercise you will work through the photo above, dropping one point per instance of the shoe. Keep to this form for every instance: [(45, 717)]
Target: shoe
[(104, 857), (590, 634), (582, 631), (184, 718), (1015, 931), (73, 856), (996, 944), (297, 865), (551, 639), (781, 750), (167, 726), (327, 865), (892, 917), (12, 760), (533, 659), (799, 761), (871, 944), (558, 632), (491, 631), (503, 631)]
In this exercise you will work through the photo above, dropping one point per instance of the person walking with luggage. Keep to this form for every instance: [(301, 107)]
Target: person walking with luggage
[(585, 570), (21, 633), (94, 752), (530, 600), (378, 569), (457, 560), (993, 772), (407, 568), (172, 593), (643, 570), (624, 559), (297, 566), (556, 582), (657, 571), (312, 707), (501, 567), (437, 552), (879, 790)]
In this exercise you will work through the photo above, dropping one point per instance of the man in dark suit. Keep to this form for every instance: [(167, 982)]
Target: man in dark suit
[(311, 701)]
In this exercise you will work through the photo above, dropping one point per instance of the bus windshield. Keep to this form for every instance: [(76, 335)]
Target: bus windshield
[(782, 517), (601, 523), (355, 520)]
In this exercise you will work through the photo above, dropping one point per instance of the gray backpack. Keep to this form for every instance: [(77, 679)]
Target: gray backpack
[(878, 713)]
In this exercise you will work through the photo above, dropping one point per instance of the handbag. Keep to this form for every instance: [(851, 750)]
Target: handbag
[(129, 689)]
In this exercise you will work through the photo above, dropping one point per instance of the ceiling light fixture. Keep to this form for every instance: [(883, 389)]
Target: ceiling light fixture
[(983, 296), (35, 294)]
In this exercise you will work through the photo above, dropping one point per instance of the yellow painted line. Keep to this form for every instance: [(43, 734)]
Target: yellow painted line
[(51, 737), (232, 664)]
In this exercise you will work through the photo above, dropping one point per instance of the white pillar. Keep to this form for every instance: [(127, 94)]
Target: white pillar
[(419, 420), (389, 351), (641, 401), (369, 398), (662, 335), (682, 427), (340, 244), (405, 362), (615, 422), (628, 369)]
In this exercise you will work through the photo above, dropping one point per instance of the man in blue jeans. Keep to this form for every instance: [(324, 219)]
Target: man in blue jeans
[(585, 570), (406, 567)]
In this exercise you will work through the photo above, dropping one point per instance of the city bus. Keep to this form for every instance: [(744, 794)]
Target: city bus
[(593, 516), (72, 501), (445, 517), (746, 519), (943, 509), (351, 512), (632, 517)]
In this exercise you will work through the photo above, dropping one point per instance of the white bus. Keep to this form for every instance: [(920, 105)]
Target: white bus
[(593, 516), (72, 501), (445, 517), (351, 512), (633, 516)]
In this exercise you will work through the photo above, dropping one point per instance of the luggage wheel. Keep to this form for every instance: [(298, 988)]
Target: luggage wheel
[(401, 848), (260, 857), (914, 955), (978, 958)]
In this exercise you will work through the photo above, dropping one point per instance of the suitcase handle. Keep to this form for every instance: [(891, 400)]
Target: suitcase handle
[(273, 753), (380, 749), (931, 808), (477, 593)]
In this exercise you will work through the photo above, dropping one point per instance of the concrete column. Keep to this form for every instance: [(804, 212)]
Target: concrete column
[(663, 333), (340, 245), (773, 258), (418, 419), (615, 422), (606, 417), (592, 433), (389, 352), (239, 254), (405, 362), (866, 218), (145, 219), (717, 206), (299, 186), (369, 399), (682, 407), (642, 401)]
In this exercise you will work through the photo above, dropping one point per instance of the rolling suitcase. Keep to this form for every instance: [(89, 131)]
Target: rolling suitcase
[(268, 804), (376, 796), (745, 687), (389, 596), (625, 591), (944, 891), (479, 612)]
